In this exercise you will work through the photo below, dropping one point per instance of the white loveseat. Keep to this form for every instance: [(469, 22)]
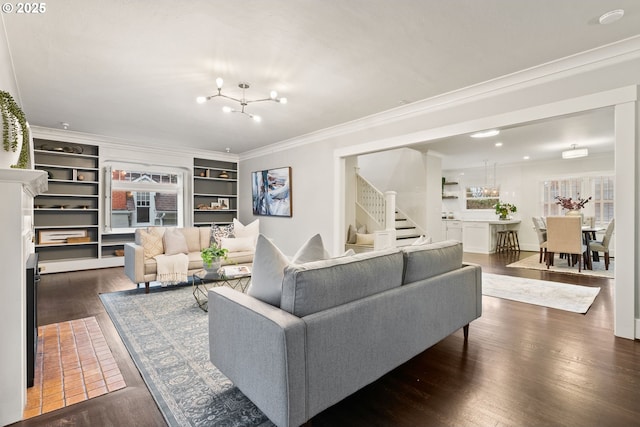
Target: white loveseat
[(141, 266)]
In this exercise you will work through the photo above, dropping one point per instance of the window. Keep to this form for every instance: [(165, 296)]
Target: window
[(142, 196), (600, 188)]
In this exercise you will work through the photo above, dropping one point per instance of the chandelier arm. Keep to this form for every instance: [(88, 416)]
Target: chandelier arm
[(229, 97), (260, 100)]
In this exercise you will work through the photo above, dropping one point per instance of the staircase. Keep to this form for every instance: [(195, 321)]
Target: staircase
[(407, 231), (377, 213)]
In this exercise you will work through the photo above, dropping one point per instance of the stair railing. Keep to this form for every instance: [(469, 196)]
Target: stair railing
[(371, 200)]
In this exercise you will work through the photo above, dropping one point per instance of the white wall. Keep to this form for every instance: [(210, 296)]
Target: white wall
[(7, 78), (497, 103)]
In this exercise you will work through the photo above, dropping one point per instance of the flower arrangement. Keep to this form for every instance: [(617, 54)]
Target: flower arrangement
[(503, 209), (570, 204)]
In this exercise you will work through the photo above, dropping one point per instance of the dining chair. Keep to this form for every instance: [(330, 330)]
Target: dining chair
[(564, 235), (603, 245), (540, 229)]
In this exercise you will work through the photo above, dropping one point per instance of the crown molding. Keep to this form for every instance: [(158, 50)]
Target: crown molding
[(621, 51), (122, 144)]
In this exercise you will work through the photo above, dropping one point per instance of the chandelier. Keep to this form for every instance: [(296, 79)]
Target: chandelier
[(242, 101)]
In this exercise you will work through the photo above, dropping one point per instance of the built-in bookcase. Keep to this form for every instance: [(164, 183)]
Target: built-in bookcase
[(66, 216), (215, 192)]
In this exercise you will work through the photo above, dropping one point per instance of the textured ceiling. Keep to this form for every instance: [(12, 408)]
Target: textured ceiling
[(132, 69)]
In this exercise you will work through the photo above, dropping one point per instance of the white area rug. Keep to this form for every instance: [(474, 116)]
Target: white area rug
[(560, 266), (562, 296)]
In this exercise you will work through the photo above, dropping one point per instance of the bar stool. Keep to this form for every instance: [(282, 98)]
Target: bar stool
[(507, 239)]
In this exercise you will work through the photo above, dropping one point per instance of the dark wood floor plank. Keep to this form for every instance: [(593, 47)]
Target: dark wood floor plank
[(522, 365)]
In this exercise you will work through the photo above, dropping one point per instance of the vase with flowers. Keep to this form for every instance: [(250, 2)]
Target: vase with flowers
[(573, 207), (504, 209)]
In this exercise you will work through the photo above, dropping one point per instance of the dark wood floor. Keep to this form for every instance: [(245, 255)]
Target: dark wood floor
[(522, 366)]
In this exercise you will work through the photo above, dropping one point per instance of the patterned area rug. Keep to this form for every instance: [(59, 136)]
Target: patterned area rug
[(560, 266), (562, 296), (167, 336)]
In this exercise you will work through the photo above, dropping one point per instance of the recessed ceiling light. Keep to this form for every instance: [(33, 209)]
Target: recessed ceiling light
[(485, 133), (611, 16), (498, 144), (526, 158)]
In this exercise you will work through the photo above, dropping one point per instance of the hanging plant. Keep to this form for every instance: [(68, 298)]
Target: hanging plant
[(14, 125)]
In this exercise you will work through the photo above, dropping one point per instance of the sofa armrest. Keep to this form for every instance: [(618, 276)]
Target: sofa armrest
[(478, 272), (134, 262), (261, 349)]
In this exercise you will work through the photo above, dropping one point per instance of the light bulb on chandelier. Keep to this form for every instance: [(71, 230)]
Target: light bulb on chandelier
[(273, 96)]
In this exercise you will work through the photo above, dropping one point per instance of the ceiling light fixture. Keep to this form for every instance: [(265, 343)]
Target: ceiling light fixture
[(498, 144), (485, 133), (611, 16), (575, 153), (242, 101)]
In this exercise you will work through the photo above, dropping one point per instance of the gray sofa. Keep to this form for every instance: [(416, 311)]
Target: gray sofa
[(342, 323)]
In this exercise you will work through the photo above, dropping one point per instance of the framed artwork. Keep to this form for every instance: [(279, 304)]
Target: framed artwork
[(223, 202), (271, 192)]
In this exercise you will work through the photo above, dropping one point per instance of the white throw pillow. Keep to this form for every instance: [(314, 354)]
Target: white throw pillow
[(364, 239), (311, 250), (422, 240), (237, 244), (349, 252), (174, 242), (250, 230), (267, 272)]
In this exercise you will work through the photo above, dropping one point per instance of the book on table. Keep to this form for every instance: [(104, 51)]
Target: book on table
[(236, 270)]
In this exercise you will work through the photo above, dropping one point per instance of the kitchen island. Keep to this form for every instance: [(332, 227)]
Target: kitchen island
[(479, 235)]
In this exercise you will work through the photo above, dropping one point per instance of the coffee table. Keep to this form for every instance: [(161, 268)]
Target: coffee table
[(235, 277)]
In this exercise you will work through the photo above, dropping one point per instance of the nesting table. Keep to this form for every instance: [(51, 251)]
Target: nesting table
[(235, 277)]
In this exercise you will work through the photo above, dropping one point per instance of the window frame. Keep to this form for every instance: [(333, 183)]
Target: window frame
[(180, 188)]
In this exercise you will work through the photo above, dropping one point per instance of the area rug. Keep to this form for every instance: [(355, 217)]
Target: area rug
[(560, 266), (561, 296), (167, 336)]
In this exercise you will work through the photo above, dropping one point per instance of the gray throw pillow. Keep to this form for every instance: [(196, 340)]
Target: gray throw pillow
[(311, 250)]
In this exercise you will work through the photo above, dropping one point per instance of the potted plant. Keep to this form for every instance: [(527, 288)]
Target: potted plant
[(211, 257), (15, 131), (503, 209)]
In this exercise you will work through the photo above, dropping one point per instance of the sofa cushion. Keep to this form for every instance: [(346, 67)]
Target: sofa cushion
[(267, 272), (425, 261), (319, 285), (312, 250), (237, 244), (175, 242), (192, 236), (250, 230), (220, 231), (151, 243)]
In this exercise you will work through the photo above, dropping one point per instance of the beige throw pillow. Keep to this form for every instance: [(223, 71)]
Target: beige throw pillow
[(364, 239), (175, 242), (151, 244), (237, 244)]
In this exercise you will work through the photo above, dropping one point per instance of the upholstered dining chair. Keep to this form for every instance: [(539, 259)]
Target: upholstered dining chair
[(603, 245), (541, 231), (564, 235)]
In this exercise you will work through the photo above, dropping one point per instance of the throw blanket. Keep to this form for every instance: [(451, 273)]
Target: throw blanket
[(172, 269)]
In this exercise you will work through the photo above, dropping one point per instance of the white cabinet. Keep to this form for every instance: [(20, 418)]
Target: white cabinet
[(477, 237), (452, 230)]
